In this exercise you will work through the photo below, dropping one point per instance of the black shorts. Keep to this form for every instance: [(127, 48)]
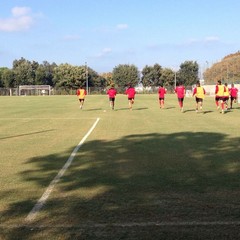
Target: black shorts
[(220, 99), (130, 98), (199, 100), (111, 99), (161, 98), (233, 98), (180, 99), (81, 99), (226, 99)]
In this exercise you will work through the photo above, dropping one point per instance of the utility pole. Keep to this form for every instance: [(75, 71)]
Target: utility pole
[(86, 72)]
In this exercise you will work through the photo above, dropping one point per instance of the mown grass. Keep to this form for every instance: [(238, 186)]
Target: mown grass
[(144, 166)]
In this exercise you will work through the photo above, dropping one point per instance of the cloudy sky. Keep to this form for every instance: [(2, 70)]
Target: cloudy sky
[(106, 33)]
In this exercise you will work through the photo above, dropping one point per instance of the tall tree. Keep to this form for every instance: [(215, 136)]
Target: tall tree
[(8, 78), (188, 73), (2, 70), (24, 72), (151, 76), (168, 77), (68, 76), (125, 74), (44, 73)]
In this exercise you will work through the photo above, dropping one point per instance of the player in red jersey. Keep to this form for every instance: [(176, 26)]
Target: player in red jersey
[(112, 92), (233, 94), (81, 93), (131, 95), (180, 91), (219, 91), (161, 93)]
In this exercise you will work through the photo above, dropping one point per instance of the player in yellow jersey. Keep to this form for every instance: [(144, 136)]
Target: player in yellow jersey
[(219, 91), (226, 96), (81, 93), (199, 93)]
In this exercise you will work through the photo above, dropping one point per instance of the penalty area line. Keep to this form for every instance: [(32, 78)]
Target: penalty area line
[(38, 206)]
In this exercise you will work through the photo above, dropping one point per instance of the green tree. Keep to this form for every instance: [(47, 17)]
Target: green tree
[(108, 78), (68, 76), (24, 72), (1, 76), (44, 73), (188, 72), (168, 77), (151, 76), (125, 74), (8, 78)]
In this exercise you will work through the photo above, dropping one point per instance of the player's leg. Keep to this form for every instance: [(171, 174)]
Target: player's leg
[(113, 103), (130, 103), (222, 105), (217, 102), (162, 103)]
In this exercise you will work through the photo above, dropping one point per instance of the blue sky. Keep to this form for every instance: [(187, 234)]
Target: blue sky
[(106, 33)]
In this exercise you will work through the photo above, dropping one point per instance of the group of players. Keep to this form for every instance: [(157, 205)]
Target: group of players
[(222, 95)]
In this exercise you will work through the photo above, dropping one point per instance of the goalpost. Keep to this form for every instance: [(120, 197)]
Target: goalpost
[(34, 90)]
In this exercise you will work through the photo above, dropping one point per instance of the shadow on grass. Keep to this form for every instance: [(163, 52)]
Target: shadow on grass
[(91, 109), (139, 178), (27, 134)]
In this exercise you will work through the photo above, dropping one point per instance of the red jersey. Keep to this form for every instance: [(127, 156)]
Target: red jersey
[(180, 91), (161, 92), (130, 92), (233, 92), (112, 92)]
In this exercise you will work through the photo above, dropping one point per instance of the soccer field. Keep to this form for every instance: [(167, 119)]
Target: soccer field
[(149, 173)]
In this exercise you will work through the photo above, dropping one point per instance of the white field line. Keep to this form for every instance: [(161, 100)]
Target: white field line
[(33, 213), (127, 224), (27, 118)]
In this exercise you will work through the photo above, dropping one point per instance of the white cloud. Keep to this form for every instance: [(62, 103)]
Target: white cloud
[(208, 39), (104, 52), (20, 11), (72, 37), (20, 20), (211, 39), (122, 26)]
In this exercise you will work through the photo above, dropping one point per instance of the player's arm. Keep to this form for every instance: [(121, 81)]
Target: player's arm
[(194, 92)]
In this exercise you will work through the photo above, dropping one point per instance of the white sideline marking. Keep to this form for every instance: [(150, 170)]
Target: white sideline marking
[(32, 215), (33, 118)]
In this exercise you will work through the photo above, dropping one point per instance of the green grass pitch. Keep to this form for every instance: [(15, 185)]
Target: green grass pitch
[(149, 173)]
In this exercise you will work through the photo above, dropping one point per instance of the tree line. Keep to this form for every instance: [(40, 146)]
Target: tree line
[(66, 76)]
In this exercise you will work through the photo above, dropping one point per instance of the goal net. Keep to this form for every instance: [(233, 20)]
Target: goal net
[(34, 90)]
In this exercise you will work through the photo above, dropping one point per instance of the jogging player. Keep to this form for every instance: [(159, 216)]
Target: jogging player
[(81, 93), (199, 93), (233, 94), (112, 92), (219, 91), (131, 95), (161, 93), (180, 91)]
